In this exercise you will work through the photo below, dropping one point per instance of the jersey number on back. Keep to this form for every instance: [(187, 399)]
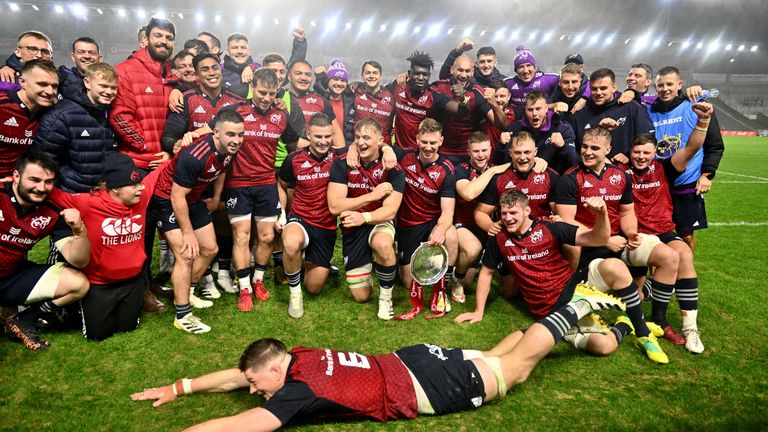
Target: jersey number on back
[(354, 360)]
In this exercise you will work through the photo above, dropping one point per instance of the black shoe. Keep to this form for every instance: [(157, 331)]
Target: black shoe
[(26, 333), (334, 271)]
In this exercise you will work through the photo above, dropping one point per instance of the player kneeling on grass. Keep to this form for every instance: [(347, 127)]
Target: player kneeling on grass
[(309, 234), (116, 215), (653, 204), (26, 216), (367, 199), (530, 250), (185, 218), (420, 379)]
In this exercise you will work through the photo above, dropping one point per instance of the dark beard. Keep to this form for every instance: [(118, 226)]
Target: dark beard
[(25, 197), (155, 56)]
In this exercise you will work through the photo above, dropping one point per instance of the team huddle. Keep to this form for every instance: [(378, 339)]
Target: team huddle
[(576, 196)]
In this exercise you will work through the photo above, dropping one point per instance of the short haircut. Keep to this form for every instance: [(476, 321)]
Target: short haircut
[(498, 84), (197, 45), (45, 65), (297, 62), (522, 137), (180, 56), (227, 115), (513, 198), (369, 123), (35, 34), (320, 120), (535, 95), (142, 33), (429, 125), (597, 132), (237, 37), (162, 24), (648, 70), (265, 76), (642, 139), (103, 70), (486, 50), (602, 73), (272, 58), (36, 158), (87, 40), (216, 41), (374, 63), (196, 60), (571, 68), (422, 59), (667, 70), (477, 137), (261, 352)]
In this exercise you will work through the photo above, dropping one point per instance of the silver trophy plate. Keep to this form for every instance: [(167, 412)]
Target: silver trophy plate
[(429, 264)]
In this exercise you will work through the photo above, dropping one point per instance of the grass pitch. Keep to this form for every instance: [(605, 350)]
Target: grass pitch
[(85, 386)]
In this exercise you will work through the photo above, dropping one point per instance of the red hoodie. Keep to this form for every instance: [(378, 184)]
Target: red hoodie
[(115, 231), (141, 106)]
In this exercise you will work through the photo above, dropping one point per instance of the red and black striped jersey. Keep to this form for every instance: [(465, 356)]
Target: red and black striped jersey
[(379, 106), (425, 185), (17, 131), (653, 202), (538, 187), (458, 127), (195, 167), (411, 109), (309, 175)]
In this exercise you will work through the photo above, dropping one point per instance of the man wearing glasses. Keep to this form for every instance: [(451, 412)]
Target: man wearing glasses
[(31, 45)]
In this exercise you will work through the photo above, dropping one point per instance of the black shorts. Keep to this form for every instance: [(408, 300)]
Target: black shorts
[(163, 212), (566, 295), (113, 308), (408, 239), (356, 246), (318, 242), (688, 211), (668, 237), (258, 201), (16, 288), (451, 383)]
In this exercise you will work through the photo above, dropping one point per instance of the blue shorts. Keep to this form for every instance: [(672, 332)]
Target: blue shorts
[(256, 201)]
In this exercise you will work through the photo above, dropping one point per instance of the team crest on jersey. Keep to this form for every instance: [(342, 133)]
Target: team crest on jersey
[(652, 168), (263, 127), (615, 179), (538, 179), (378, 173), (227, 160), (423, 99), (312, 100), (275, 118), (603, 191), (434, 175), (620, 121), (536, 236), (317, 169), (28, 133), (386, 100), (536, 84), (40, 222), (421, 179)]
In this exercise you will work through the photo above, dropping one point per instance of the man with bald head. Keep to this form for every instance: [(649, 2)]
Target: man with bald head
[(473, 108), (485, 66)]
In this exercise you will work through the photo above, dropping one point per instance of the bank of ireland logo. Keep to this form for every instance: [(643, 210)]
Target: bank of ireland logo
[(231, 203), (40, 222), (121, 226)]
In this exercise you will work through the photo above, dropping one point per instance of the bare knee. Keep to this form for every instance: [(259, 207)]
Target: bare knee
[(361, 295)]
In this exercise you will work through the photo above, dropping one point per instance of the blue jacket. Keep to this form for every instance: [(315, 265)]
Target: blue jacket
[(77, 134)]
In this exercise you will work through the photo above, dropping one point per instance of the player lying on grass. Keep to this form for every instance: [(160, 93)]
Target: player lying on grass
[(420, 379)]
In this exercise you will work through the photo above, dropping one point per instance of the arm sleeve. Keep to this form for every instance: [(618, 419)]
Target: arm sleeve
[(296, 124), (188, 168), (122, 117), (490, 195), (445, 69), (568, 191), (627, 197), (448, 188), (554, 179), (290, 401), (286, 170), (713, 148), (339, 171), (643, 123), (564, 233), (299, 51), (396, 178), (175, 127)]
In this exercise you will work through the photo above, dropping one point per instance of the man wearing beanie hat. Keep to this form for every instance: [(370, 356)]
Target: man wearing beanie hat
[(333, 84), (527, 78), (116, 217), (485, 66)]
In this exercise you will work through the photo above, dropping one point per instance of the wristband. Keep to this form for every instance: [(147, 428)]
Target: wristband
[(701, 129), (367, 217), (186, 384), (81, 233), (178, 388)]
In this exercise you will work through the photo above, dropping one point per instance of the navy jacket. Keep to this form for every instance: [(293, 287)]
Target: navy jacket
[(632, 118), (77, 134)]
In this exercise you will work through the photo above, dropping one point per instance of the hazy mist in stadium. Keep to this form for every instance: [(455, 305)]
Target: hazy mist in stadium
[(711, 38)]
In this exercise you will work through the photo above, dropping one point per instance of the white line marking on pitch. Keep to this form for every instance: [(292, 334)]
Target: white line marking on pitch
[(743, 175), (740, 182), (738, 224)]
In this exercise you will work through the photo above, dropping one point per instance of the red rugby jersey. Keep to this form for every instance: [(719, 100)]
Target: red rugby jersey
[(538, 187), (194, 167), (308, 175), (458, 127), (425, 185), (653, 202), (17, 131), (410, 110), (379, 106)]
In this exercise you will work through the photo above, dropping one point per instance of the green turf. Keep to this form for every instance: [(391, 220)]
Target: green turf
[(78, 385)]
